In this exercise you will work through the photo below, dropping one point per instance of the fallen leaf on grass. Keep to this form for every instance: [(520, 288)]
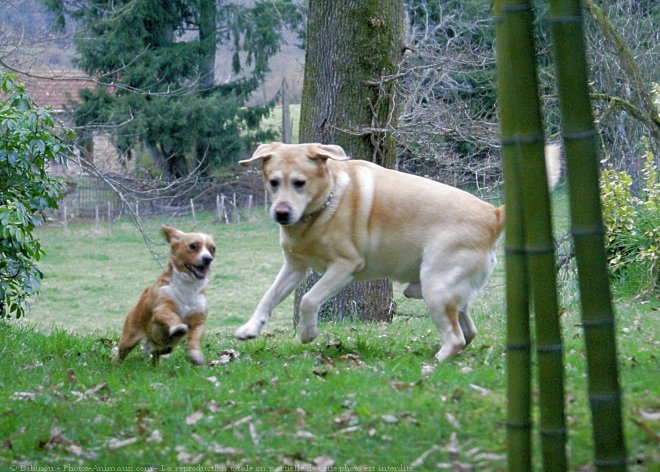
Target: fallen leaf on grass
[(218, 449), (336, 343), (194, 417), (238, 422), (305, 435), (427, 369), (398, 385), (253, 434), (184, 457), (389, 419), (23, 396), (57, 439), (213, 406), (420, 460), (214, 380), (352, 358), (481, 390), (298, 462), (348, 418), (116, 443), (451, 419), (155, 437), (70, 374), (226, 356)]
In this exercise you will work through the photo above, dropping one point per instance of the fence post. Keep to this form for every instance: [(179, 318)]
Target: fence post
[(224, 209), (266, 201), (192, 209), (249, 208), (236, 210)]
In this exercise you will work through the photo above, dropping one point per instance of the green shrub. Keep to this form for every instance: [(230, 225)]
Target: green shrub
[(632, 225), (27, 145)]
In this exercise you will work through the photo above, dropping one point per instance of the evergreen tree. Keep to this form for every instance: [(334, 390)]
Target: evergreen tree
[(155, 63)]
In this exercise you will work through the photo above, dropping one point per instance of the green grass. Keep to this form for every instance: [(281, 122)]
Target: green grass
[(357, 395)]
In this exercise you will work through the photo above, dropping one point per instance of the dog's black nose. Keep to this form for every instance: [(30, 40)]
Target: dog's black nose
[(283, 214), (282, 217), (206, 260)]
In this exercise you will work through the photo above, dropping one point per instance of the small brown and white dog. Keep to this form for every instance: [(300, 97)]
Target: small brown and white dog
[(356, 220), (175, 305)]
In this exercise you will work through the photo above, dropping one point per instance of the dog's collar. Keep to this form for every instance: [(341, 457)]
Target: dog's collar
[(309, 217)]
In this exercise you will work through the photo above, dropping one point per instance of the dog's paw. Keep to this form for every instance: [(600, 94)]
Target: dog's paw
[(308, 333), (447, 352), (178, 331), (196, 357), (247, 331)]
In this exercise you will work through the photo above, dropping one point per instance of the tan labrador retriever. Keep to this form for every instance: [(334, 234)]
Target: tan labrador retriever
[(356, 220)]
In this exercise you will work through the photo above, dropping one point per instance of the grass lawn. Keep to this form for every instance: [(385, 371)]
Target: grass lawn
[(361, 395)]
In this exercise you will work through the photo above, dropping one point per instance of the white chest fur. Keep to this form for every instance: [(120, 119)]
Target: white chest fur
[(186, 292)]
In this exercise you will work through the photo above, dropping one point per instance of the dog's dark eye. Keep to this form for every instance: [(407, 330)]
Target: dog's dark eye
[(298, 184), (274, 183), (194, 246), (212, 251)]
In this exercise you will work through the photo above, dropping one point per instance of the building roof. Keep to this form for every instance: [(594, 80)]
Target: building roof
[(55, 89)]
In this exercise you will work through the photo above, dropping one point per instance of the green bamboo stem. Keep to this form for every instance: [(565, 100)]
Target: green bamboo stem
[(587, 230), (539, 246), (518, 341)]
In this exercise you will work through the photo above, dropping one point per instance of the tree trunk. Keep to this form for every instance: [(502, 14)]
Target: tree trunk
[(351, 47)]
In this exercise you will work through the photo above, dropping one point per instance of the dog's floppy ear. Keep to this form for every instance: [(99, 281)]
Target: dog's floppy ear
[(171, 234), (264, 151), (332, 151)]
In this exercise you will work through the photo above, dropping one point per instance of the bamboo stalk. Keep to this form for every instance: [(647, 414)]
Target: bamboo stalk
[(518, 341), (587, 230), (539, 246)]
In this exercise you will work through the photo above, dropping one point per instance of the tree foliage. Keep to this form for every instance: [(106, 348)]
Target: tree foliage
[(28, 144), (449, 125), (158, 84), (632, 238)]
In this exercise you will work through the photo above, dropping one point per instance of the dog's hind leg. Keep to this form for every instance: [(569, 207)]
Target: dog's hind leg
[(127, 343), (440, 293), (467, 325)]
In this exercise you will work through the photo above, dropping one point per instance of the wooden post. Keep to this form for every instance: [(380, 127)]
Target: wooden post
[(192, 209), (236, 210), (249, 208)]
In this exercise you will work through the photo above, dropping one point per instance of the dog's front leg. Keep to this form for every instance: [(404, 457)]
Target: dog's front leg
[(286, 281), (336, 277)]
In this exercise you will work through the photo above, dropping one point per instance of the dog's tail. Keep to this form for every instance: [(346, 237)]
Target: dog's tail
[(553, 173), (553, 164)]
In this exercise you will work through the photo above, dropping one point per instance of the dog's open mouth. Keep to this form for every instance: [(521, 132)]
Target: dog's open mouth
[(199, 272)]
